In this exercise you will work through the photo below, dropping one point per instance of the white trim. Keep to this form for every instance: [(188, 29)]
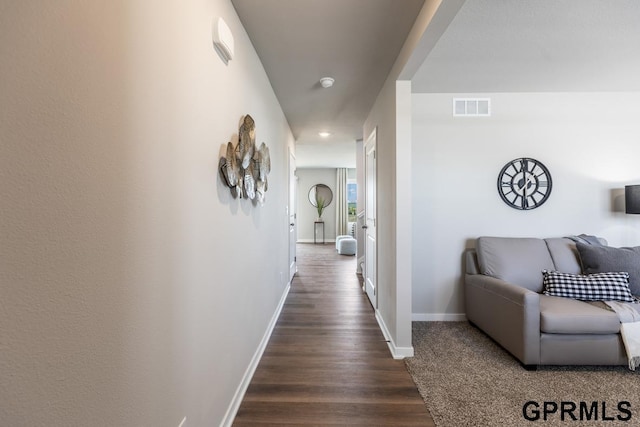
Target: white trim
[(311, 241), (396, 352), (232, 410), (404, 232), (438, 317)]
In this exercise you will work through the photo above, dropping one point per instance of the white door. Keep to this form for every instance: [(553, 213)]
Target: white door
[(292, 215), (370, 260)]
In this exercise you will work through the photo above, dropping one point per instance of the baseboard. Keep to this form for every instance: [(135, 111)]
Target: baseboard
[(396, 352), (227, 421), (311, 241), (438, 317)]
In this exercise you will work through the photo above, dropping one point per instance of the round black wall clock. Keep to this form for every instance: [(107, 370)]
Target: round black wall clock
[(524, 183)]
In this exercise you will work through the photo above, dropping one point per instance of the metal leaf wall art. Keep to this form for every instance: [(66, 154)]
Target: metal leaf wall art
[(245, 167)]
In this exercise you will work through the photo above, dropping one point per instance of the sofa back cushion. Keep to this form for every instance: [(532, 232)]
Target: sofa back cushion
[(600, 259), (517, 260), (564, 255)]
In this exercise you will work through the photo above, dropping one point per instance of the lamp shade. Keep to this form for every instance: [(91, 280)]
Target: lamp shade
[(632, 199)]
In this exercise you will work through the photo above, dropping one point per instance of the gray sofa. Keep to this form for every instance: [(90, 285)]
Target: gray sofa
[(503, 297)]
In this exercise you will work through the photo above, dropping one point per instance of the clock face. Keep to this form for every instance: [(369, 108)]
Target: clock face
[(524, 183)]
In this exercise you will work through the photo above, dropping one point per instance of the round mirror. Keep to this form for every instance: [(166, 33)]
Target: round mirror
[(320, 195)]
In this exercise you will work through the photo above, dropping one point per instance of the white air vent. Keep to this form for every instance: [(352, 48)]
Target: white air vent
[(472, 107)]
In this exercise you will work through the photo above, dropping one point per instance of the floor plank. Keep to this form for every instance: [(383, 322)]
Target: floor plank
[(327, 363)]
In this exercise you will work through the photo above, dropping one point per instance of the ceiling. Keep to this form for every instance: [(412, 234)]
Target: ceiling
[(489, 46), (300, 41), (536, 46)]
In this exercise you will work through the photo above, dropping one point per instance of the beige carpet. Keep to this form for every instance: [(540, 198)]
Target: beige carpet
[(466, 379)]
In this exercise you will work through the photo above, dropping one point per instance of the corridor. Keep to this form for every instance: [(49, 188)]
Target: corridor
[(327, 363)]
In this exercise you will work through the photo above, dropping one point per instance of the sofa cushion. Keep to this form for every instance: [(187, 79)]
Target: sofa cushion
[(515, 260), (564, 255), (600, 259), (568, 316), (610, 286)]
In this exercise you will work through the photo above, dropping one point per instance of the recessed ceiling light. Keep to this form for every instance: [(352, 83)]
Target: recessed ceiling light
[(324, 134), (327, 82)]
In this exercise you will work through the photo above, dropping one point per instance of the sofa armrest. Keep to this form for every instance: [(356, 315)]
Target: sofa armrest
[(508, 313)]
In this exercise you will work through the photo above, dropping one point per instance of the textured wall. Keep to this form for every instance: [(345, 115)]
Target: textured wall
[(134, 289)]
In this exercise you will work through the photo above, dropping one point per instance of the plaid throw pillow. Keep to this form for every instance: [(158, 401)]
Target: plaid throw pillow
[(593, 287)]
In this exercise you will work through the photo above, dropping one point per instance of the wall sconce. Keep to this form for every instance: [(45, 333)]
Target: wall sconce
[(632, 199)]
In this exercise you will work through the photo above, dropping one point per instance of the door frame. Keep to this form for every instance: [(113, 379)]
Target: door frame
[(370, 221), (292, 217)]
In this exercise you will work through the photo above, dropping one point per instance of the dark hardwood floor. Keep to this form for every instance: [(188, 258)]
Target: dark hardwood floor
[(327, 363)]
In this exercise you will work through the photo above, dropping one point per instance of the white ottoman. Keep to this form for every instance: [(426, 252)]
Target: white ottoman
[(342, 236), (347, 246)]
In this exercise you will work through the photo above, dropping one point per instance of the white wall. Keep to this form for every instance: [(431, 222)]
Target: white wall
[(135, 290), (590, 143), (382, 119), (307, 213), (390, 116)]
